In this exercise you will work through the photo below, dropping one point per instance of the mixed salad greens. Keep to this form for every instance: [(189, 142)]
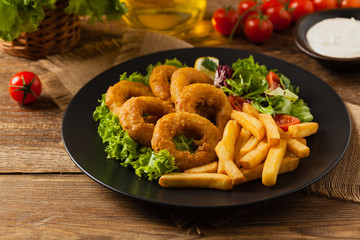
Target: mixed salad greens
[(268, 91), (256, 84)]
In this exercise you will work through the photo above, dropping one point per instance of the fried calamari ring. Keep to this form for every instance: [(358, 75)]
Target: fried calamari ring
[(133, 117), (119, 93), (206, 136), (186, 76), (159, 81), (207, 101)]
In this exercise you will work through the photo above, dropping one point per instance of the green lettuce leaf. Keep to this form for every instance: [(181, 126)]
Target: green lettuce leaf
[(246, 83), (301, 111), (250, 64), (248, 79), (152, 165), (18, 16), (121, 146), (183, 143), (135, 77), (95, 10)]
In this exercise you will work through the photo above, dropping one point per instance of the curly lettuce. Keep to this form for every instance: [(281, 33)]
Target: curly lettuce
[(95, 9), (184, 143), (121, 146)]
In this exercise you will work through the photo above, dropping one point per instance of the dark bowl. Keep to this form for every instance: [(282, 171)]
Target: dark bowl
[(306, 22)]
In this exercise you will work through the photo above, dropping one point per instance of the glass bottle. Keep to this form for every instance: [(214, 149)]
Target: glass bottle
[(164, 16)]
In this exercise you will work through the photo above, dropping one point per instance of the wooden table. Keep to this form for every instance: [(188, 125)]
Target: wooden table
[(43, 195)]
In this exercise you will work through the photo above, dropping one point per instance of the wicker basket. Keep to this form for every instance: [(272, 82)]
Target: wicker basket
[(58, 32)]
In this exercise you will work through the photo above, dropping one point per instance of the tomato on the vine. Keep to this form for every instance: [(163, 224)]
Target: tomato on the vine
[(258, 28), (25, 87), (224, 20), (284, 121), (350, 3), (269, 3), (324, 4), (279, 16), (300, 8), (245, 6)]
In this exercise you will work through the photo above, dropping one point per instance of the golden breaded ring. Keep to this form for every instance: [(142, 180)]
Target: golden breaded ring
[(117, 94), (132, 118), (159, 81), (186, 76), (207, 101), (206, 136)]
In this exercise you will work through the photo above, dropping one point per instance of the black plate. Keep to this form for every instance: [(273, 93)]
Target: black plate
[(307, 21), (84, 146)]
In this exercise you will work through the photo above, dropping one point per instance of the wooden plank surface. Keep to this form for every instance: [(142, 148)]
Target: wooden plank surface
[(43, 195), (68, 206)]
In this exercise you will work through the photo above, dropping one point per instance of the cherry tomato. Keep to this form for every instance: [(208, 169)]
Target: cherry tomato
[(324, 4), (244, 6), (284, 121), (279, 16), (224, 20), (350, 3), (273, 80), (270, 3), (258, 28), (300, 8), (237, 102), (25, 87)]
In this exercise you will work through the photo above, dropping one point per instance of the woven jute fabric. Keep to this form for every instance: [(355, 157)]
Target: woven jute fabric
[(343, 181), (68, 72)]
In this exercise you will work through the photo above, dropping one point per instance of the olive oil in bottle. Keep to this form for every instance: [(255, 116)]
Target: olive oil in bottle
[(164, 16)]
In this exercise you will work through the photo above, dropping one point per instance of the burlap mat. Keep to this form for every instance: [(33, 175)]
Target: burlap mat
[(67, 73)]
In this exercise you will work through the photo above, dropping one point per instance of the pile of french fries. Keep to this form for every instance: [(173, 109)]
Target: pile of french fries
[(252, 147)]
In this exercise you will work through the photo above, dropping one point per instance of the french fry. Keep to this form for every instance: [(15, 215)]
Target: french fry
[(273, 162), (233, 172), (283, 134), (242, 139), (294, 145), (272, 132), (196, 180), (256, 156), (252, 124), (288, 164), (221, 167), (248, 108), (225, 149), (297, 148), (303, 129), (249, 145), (230, 135), (207, 168), (302, 140)]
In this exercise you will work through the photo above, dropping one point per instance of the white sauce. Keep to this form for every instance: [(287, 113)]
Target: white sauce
[(335, 37)]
